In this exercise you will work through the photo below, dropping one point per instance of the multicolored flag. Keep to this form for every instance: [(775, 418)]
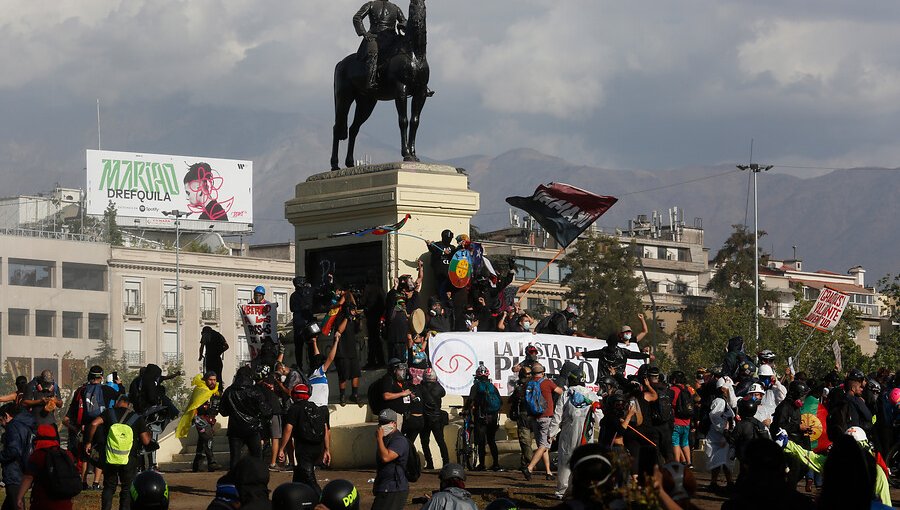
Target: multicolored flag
[(460, 270), (814, 414), (563, 210), (378, 231)]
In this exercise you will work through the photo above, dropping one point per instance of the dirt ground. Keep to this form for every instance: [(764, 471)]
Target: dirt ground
[(194, 491)]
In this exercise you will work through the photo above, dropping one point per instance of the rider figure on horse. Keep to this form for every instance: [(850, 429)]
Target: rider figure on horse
[(386, 23)]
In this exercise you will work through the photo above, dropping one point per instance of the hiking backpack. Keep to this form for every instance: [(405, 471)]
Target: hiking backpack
[(662, 408), (535, 404), (413, 467), (63, 478), (311, 422), (488, 398), (684, 405), (120, 438)]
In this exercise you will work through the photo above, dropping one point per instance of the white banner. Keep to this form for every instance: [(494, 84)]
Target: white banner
[(827, 311), (144, 185), (260, 324), (455, 356)]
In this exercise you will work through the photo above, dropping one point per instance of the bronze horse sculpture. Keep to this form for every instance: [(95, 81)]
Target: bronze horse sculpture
[(405, 74)]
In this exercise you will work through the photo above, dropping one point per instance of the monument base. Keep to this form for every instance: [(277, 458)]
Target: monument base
[(436, 197)]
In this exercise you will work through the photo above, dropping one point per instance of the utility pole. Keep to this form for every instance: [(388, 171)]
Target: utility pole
[(755, 168), (177, 215)]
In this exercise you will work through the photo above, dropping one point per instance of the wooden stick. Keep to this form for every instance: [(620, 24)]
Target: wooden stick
[(524, 288)]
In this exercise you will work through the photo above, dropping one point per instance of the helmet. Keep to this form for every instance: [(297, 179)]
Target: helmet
[(609, 382), (294, 496), (797, 389), (855, 374), (747, 408), (756, 388), (451, 471), (300, 391), (259, 290), (653, 371), (678, 377), (393, 362), (502, 504), (482, 371), (298, 281), (857, 433), (149, 491), (531, 350), (339, 495), (430, 375), (873, 385), (446, 235), (894, 396), (766, 371), (766, 355), (745, 369), (576, 377)]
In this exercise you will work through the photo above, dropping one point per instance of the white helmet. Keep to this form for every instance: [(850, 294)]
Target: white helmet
[(766, 371), (756, 388), (858, 434)]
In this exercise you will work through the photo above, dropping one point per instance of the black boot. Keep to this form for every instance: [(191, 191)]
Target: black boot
[(195, 467)]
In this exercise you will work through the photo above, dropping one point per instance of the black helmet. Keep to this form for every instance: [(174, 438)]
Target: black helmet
[(856, 374), (451, 471), (446, 235), (502, 504), (576, 378), (747, 408), (873, 386), (609, 382), (797, 389), (678, 377), (338, 495), (765, 355), (149, 491), (294, 496)]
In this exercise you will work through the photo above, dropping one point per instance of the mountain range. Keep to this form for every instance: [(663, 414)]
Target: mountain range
[(836, 221)]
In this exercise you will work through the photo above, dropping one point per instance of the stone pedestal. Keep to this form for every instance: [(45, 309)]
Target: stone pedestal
[(436, 196)]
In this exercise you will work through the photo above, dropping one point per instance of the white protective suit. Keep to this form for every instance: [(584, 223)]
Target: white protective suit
[(575, 419), (773, 396)]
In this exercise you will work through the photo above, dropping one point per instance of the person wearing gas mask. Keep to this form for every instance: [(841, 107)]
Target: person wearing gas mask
[(431, 393), (576, 415), (531, 357), (519, 414), (438, 320), (393, 390), (775, 391)]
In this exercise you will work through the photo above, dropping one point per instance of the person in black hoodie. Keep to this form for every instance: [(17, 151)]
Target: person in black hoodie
[(250, 478), (747, 429), (612, 357), (846, 407), (764, 483), (431, 393), (247, 409), (787, 417), (20, 427)]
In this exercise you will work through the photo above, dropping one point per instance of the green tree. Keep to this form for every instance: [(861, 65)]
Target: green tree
[(602, 283), (733, 279), (111, 228), (888, 353)]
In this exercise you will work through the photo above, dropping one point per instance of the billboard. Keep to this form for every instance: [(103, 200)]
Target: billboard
[(214, 193)]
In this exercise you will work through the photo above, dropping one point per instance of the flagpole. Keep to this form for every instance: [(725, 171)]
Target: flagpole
[(524, 288)]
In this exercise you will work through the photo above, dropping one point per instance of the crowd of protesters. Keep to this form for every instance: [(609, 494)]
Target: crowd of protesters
[(618, 438)]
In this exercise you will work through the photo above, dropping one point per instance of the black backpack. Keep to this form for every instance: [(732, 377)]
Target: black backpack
[(662, 411), (413, 468), (684, 405), (311, 423), (62, 477)]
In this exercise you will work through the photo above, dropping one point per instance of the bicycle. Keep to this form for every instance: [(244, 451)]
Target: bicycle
[(465, 441)]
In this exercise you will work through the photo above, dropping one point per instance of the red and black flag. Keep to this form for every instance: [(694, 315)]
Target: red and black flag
[(563, 210)]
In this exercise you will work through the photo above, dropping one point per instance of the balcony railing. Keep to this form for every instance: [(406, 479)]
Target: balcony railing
[(171, 358), (240, 360), (134, 309), (209, 314), (284, 318), (134, 358), (169, 313)]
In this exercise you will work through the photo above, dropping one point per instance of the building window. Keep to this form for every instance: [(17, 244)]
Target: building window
[(283, 308), (654, 286), (170, 347), (243, 351), (134, 304), (133, 351), (30, 273), (83, 276), (168, 300), (684, 255), (681, 288), (43, 322), (810, 293), (874, 331), (98, 324), (71, 324), (662, 252), (209, 305), (555, 304), (18, 321), (534, 304), (244, 296)]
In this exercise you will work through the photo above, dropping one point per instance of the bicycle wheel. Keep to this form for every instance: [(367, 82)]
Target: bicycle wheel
[(461, 447)]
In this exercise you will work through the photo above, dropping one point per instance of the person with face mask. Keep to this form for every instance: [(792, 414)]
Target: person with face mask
[(393, 389), (431, 393), (519, 414), (787, 417), (626, 336), (441, 252), (576, 415), (437, 318), (775, 392)]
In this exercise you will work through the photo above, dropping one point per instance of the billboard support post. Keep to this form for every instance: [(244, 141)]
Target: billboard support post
[(177, 215)]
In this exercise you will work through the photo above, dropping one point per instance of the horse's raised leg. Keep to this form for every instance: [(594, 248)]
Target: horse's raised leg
[(364, 107), (418, 102), (403, 120), (341, 110)]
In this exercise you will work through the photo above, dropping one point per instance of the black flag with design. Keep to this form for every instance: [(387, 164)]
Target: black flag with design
[(563, 210)]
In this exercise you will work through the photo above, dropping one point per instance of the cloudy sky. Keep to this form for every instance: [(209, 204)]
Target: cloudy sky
[(650, 85)]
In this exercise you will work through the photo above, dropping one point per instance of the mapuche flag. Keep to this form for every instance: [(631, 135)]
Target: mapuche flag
[(814, 414), (563, 210), (378, 231)]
